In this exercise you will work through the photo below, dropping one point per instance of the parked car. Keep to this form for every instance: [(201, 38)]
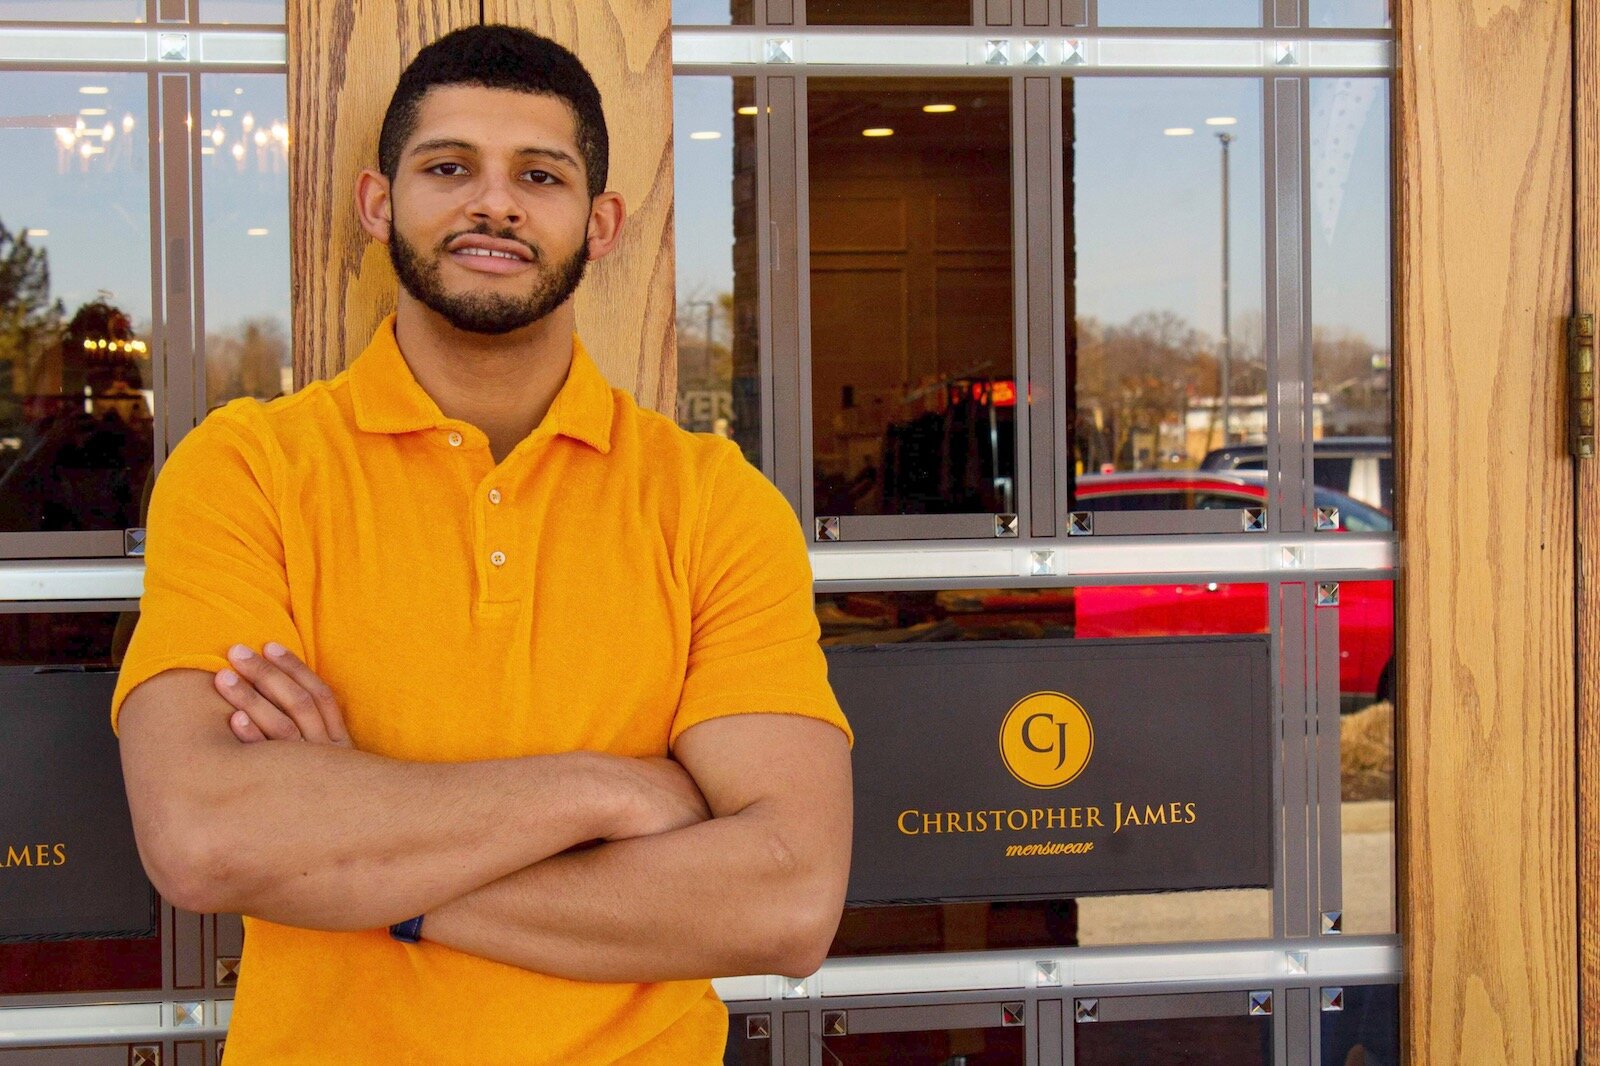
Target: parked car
[(1362, 467)]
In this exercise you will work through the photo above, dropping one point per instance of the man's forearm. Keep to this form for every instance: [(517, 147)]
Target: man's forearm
[(721, 898)]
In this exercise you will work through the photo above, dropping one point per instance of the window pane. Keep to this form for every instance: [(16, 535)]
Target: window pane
[(1366, 754), (994, 1046), (1225, 1041), (719, 327), (244, 138), (269, 12), (710, 12), (1350, 298), (1366, 1030), (1161, 379), (76, 393), (74, 10), (912, 364), (1180, 14), (1353, 13), (889, 12)]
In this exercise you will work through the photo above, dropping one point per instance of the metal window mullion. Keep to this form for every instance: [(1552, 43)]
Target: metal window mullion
[(1327, 750), (1291, 903), (197, 287), (1289, 384), (176, 253), (1039, 391), (791, 436), (1027, 125), (764, 267)]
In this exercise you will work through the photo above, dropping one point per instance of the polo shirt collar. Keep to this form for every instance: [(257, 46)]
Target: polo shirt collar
[(388, 399)]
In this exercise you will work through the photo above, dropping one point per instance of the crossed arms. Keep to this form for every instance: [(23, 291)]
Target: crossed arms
[(730, 859)]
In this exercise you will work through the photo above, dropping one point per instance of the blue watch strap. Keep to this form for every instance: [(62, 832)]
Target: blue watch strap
[(408, 931)]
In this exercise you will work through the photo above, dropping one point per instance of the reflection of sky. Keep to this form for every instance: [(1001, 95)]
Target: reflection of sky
[(247, 275), (1180, 13), (97, 210), (1349, 163), (703, 185), (74, 10), (261, 11), (700, 12)]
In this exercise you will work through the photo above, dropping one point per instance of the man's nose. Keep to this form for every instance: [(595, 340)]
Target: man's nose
[(494, 200)]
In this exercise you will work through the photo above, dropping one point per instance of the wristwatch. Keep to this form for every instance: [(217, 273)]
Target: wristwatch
[(408, 931)]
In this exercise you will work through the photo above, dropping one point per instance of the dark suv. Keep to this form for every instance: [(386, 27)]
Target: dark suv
[(1362, 467)]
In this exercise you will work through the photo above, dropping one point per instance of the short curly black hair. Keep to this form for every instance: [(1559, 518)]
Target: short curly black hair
[(499, 57)]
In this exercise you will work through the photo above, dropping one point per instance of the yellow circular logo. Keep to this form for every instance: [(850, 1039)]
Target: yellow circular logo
[(1046, 740)]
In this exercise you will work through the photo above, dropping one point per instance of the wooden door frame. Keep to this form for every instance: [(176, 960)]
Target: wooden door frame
[(1487, 688), (1586, 293)]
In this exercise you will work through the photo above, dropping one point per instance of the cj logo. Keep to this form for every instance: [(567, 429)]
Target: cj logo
[(1046, 740)]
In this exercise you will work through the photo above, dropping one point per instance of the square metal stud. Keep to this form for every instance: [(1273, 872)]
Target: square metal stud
[(1081, 525), (1041, 563), (795, 988), (1327, 518), (173, 47), (1295, 961), (1074, 52), (758, 1026), (1294, 557), (1005, 525), (1047, 973), (186, 1014), (1332, 999), (1034, 54), (133, 542), (834, 1023), (1284, 54), (1327, 594), (828, 528), (1260, 1004), (145, 1055), (1333, 923), (1011, 1014), (227, 971), (997, 53), (779, 50), (1086, 1010), (1255, 519)]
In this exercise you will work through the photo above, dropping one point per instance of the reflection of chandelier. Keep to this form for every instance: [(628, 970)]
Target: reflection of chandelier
[(114, 348), (250, 144), (93, 136)]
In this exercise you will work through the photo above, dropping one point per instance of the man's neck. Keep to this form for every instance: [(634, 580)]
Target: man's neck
[(502, 384)]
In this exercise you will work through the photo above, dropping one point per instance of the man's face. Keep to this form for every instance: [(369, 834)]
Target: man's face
[(490, 208)]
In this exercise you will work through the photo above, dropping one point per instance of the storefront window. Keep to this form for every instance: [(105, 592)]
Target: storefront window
[(74, 10), (264, 12), (1366, 755), (1225, 1040), (1349, 13), (1180, 13), (710, 12), (889, 12)]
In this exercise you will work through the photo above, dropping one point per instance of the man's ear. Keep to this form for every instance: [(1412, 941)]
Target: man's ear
[(607, 214), (373, 206)]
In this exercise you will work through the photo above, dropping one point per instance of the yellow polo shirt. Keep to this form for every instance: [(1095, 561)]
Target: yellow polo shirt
[(610, 583)]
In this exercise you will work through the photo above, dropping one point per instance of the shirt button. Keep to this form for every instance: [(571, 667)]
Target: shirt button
[(498, 558), (455, 439), (494, 495)]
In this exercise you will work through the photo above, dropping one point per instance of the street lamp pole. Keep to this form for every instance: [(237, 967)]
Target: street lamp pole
[(1227, 314)]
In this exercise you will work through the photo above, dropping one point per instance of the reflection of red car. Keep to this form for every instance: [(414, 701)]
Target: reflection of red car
[(1366, 608)]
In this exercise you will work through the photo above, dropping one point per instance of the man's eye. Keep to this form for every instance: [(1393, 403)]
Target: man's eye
[(447, 170), (542, 177)]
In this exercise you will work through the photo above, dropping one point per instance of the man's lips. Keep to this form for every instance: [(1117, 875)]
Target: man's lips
[(489, 255)]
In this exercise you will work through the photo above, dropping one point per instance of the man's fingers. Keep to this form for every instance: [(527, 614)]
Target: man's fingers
[(268, 720), (244, 729), (321, 694), (282, 690)]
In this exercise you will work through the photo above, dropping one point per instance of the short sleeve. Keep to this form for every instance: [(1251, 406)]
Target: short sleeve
[(753, 636), (214, 563)]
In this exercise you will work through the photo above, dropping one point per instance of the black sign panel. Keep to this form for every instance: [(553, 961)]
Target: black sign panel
[(69, 869), (1051, 768)]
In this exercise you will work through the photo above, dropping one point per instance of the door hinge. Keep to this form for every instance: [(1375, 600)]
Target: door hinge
[(1580, 386)]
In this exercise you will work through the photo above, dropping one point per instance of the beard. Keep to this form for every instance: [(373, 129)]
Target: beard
[(491, 313)]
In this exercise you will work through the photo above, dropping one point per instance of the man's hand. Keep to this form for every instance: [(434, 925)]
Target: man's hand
[(275, 696)]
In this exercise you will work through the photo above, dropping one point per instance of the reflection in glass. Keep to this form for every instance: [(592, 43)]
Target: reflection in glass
[(1366, 1032), (74, 10), (264, 12), (1087, 612), (716, 219), (710, 12), (1180, 14), (1162, 377), (1359, 14), (76, 393), (889, 12), (912, 366), (244, 148), (744, 1050), (93, 639), (1236, 1040), (1350, 299), (1366, 754), (990, 1046)]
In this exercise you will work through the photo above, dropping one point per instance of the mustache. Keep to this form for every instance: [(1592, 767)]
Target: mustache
[(485, 231)]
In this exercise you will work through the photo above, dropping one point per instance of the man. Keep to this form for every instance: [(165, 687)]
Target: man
[(417, 643)]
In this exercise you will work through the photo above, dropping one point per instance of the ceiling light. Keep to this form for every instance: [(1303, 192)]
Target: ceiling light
[(261, 138), (218, 136), (91, 111), (248, 122), (224, 112), (704, 135), (938, 109), (207, 150), (878, 131), (238, 92), (65, 137), (1222, 120), (106, 131), (36, 233), (93, 90), (747, 110), (127, 123), (238, 151), (256, 232), (1178, 131), (90, 149)]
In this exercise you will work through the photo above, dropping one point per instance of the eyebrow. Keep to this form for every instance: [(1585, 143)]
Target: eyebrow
[(440, 144)]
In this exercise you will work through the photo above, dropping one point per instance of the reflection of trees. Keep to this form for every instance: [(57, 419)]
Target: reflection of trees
[(31, 324), (247, 361), (1354, 373)]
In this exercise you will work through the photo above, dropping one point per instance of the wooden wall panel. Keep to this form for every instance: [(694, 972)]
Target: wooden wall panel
[(1586, 275), (344, 59), (1483, 229), (627, 305)]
